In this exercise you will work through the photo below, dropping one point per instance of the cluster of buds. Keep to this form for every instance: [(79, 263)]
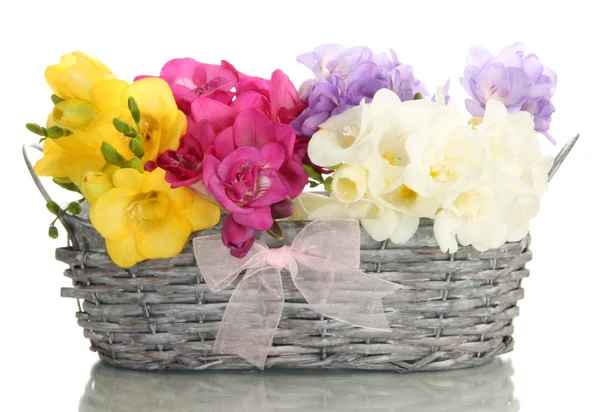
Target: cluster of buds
[(136, 142)]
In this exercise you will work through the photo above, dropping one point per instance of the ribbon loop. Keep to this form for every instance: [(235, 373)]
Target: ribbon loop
[(324, 264)]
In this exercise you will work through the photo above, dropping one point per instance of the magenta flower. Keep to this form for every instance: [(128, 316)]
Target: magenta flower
[(247, 182), (277, 98), (189, 79), (184, 166), (253, 128), (239, 239)]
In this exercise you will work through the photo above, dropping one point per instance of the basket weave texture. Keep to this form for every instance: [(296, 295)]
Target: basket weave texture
[(452, 310)]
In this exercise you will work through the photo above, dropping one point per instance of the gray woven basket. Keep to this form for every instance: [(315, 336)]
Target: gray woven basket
[(452, 310)]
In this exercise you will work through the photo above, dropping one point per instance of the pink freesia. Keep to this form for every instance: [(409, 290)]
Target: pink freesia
[(253, 128), (277, 98), (245, 184), (218, 114), (189, 79)]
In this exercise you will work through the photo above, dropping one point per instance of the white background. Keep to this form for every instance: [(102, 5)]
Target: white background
[(45, 357)]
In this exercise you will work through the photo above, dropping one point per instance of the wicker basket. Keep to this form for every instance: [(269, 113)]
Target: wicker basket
[(452, 310)]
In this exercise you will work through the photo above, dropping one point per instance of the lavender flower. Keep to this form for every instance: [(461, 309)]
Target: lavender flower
[(519, 81), (344, 77)]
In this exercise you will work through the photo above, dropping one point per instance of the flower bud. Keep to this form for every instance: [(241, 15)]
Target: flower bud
[(74, 208), (283, 209), (56, 132), (276, 231), (36, 128), (94, 184), (54, 208), (349, 183), (134, 163), (111, 155), (66, 183), (53, 232), (136, 147), (123, 127), (134, 109), (73, 114), (56, 100)]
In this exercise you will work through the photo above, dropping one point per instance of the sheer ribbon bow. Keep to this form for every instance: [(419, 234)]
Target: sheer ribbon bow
[(323, 261)]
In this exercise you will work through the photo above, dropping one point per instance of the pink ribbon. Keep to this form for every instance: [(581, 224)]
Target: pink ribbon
[(323, 261)]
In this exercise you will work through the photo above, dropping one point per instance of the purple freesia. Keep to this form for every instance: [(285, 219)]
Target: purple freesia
[(517, 80), (345, 77)]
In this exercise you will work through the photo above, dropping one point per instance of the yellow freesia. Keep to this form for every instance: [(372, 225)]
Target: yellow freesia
[(162, 123), (141, 217), (71, 156), (75, 75), (93, 99)]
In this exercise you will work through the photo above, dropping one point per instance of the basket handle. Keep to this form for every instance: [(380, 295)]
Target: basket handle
[(561, 156), (43, 190)]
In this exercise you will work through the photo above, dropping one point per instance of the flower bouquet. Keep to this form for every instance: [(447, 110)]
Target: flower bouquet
[(411, 260)]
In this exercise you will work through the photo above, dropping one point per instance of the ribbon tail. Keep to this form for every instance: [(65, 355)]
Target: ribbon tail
[(347, 295), (251, 317)]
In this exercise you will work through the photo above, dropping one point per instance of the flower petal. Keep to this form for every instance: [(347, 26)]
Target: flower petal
[(381, 227), (406, 226), (154, 98), (324, 149), (129, 178), (270, 188), (124, 253), (164, 238), (111, 215), (259, 219), (274, 155), (202, 213), (220, 115), (253, 128)]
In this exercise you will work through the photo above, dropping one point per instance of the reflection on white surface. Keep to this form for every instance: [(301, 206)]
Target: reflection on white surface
[(488, 388)]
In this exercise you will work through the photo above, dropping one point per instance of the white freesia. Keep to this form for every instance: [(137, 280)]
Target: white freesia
[(477, 216), (379, 220), (398, 162), (390, 122), (341, 138), (349, 183), (446, 156)]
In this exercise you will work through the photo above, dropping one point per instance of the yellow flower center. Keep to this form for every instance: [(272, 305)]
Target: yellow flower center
[(440, 173), (150, 206)]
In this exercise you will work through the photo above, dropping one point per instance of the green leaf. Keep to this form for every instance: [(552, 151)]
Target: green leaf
[(134, 163), (312, 173), (136, 147), (53, 232), (276, 231), (123, 127), (111, 155), (74, 208), (134, 109), (56, 100), (67, 184), (312, 183), (327, 183), (36, 128)]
